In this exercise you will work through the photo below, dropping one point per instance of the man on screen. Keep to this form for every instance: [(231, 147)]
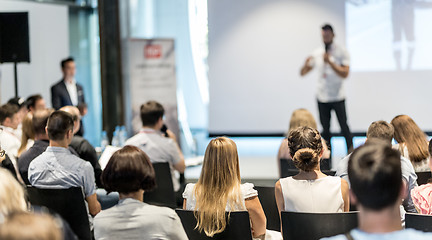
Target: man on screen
[(332, 61)]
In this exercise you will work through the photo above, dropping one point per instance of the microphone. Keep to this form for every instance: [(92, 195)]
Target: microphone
[(327, 47)]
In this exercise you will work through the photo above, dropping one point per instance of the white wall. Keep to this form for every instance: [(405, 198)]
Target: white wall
[(256, 50), (49, 44)]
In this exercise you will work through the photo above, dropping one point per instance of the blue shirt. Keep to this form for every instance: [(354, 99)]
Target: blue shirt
[(406, 234), (57, 167)]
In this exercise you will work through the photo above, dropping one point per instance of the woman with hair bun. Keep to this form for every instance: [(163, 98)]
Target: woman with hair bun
[(310, 190)]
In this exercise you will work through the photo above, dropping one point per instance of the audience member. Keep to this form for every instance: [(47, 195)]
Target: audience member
[(412, 142), (299, 118), (7, 164), (28, 226), (35, 102), (12, 196), (153, 142), (27, 138), (9, 141), (377, 188), (384, 131), (57, 167), (130, 172), (219, 189), (84, 149), (22, 111), (310, 190), (39, 122), (422, 195)]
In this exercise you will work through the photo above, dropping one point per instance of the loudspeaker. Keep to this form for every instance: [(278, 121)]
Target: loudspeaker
[(14, 37)]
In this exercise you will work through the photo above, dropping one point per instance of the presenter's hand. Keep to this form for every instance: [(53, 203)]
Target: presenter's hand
[(326, 58)]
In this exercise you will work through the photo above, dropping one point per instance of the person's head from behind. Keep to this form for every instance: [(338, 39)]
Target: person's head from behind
[(9, 115), (302, 118), (152, 113), (68, 68), (76, 116), (59, 127), (35, 102), (30, 226), (39, 121), (305, 147), (407, 132), (220, 176), (12, 196), (327, 33), (129, 170), (380, 130), (374, 170)]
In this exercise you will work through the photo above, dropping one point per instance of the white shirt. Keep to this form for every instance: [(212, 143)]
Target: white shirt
[(330, 85), (406, 234), (10, 143), (72, 90), (322, 195), (159, 149)]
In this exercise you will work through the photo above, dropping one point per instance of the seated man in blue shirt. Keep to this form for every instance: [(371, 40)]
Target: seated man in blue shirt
[(377, 188), (57, 167)]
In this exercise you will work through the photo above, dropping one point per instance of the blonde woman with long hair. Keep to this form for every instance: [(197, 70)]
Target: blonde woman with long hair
[(299, 118), (219, 189), (412, 142), (28, 135), (12, 198)]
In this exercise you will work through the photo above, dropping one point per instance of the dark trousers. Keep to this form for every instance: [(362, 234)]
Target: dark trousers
[(325, 116)]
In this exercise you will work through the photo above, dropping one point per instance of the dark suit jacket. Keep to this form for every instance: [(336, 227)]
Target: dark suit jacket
[(60, 96)]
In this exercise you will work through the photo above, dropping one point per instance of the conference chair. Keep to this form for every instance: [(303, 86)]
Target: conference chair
[(267, 198), (68, 203), (287, 167), (423, 177), (163, 194), (238, 227), (313, 226), (418, 221)]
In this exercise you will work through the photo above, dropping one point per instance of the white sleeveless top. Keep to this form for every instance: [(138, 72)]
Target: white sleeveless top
[(321, 195), (247, 192)]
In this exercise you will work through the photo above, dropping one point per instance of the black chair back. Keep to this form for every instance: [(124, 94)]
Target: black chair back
[(68, 203), (163, 194), (423, 177), (238, 227), (418, 221), (267, 198), (313, 226), (287, 167)]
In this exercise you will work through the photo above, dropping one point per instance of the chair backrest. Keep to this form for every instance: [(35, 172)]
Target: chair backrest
[(423, 177), (288, 169), (163, 194), (68, 203), (418, 221), (312, 226), (267, 198), (238, 227)]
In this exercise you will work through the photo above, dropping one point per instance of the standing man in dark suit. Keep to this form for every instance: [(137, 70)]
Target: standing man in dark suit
[(67, 92)]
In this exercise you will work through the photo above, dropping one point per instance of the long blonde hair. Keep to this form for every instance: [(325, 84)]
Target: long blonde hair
[(218, 185), (12, 196), (302, 118), (27, 132), (407, 133)]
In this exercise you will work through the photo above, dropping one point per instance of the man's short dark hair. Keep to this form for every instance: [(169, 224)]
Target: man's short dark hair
[(64, 61), (40, 119), (31, 101), (381, 130), (430, 147), (151, 112), (327, 27), (375, 174), (59, 123), (7, 111), (128, 170)]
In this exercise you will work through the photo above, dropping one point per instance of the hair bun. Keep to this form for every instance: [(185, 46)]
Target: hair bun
[(306, 159)]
